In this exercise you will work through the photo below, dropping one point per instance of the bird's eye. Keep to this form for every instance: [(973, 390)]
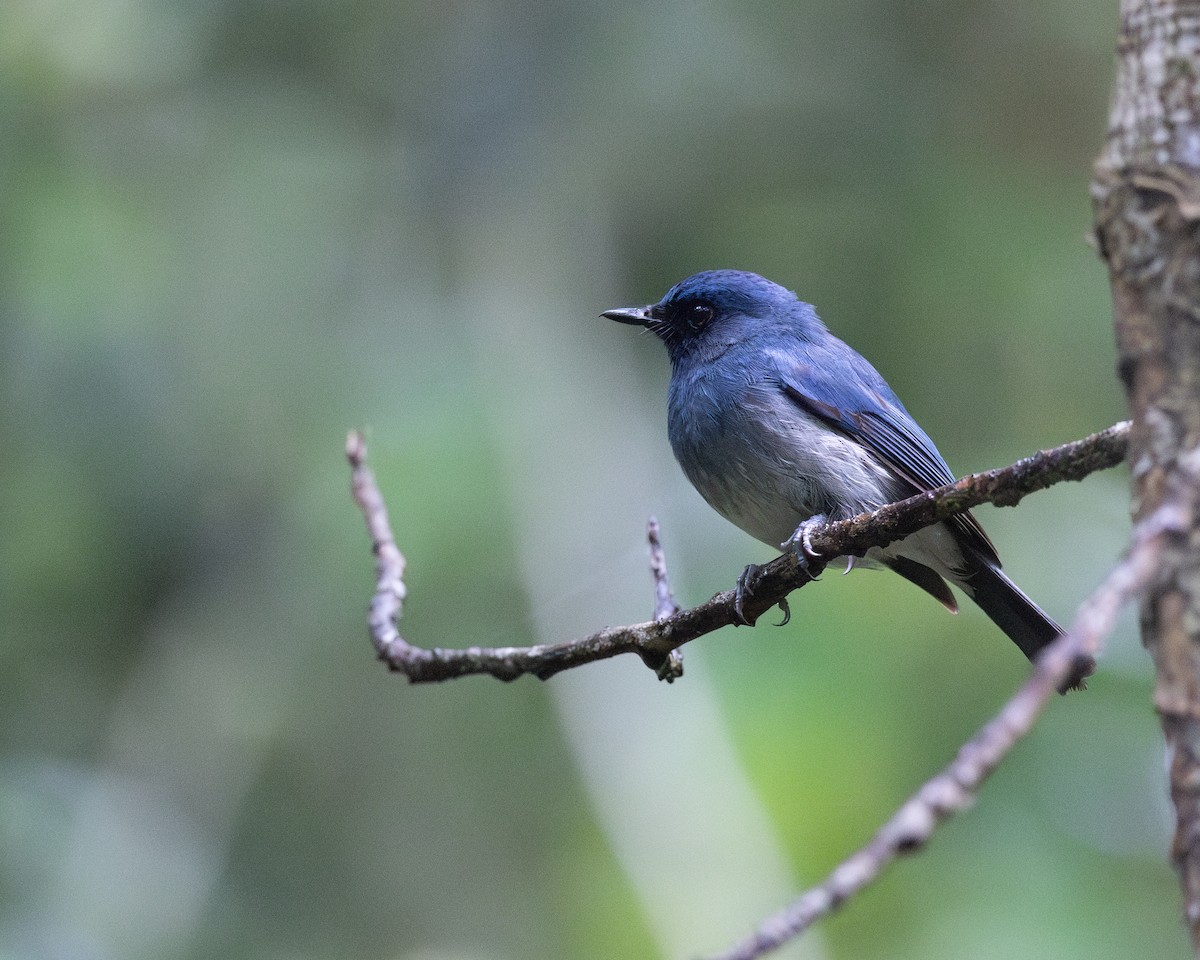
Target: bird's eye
[(699, 315)]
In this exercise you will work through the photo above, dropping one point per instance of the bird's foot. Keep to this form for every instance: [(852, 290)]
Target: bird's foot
[(742, 591), (799, 544)]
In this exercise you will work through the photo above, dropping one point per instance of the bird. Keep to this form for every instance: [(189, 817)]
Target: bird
[(779, 425)]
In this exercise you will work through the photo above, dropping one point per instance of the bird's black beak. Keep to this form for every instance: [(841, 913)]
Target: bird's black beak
[(639, 316)]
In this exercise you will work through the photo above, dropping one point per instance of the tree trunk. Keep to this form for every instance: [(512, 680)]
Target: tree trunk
[(1146, 188)]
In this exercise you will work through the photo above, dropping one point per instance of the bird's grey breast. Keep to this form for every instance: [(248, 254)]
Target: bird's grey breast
[(759, 459)]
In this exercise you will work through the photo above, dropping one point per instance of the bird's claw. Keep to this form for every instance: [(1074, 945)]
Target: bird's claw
[(799, 544), (743, 590)]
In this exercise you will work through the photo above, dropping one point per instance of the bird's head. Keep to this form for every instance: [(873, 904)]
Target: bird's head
[(710, 311)]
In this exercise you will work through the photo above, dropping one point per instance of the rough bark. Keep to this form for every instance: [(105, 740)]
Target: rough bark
[(1146, 188)]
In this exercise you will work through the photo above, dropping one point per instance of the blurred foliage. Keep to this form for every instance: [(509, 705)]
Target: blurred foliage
[(234, 229)]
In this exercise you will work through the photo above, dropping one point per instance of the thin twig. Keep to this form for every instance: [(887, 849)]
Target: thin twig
[(664, 601), (387, 603), (655, 640), (670, 667), (955, 787)]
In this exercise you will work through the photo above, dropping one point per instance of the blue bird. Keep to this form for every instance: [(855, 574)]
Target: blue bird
[(777, 422)]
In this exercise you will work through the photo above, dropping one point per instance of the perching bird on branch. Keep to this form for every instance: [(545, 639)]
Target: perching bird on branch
[(777, 422)]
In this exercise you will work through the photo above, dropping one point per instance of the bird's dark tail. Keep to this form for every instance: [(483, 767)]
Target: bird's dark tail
[(1025, 623)]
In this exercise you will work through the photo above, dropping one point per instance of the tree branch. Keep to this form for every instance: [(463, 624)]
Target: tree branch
[(656, 641)]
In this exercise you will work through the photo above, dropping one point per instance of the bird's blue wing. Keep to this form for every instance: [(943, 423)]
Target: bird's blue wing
[(839, 387)]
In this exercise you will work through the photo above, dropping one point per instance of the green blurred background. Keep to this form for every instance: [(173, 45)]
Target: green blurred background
[(232, 229)]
